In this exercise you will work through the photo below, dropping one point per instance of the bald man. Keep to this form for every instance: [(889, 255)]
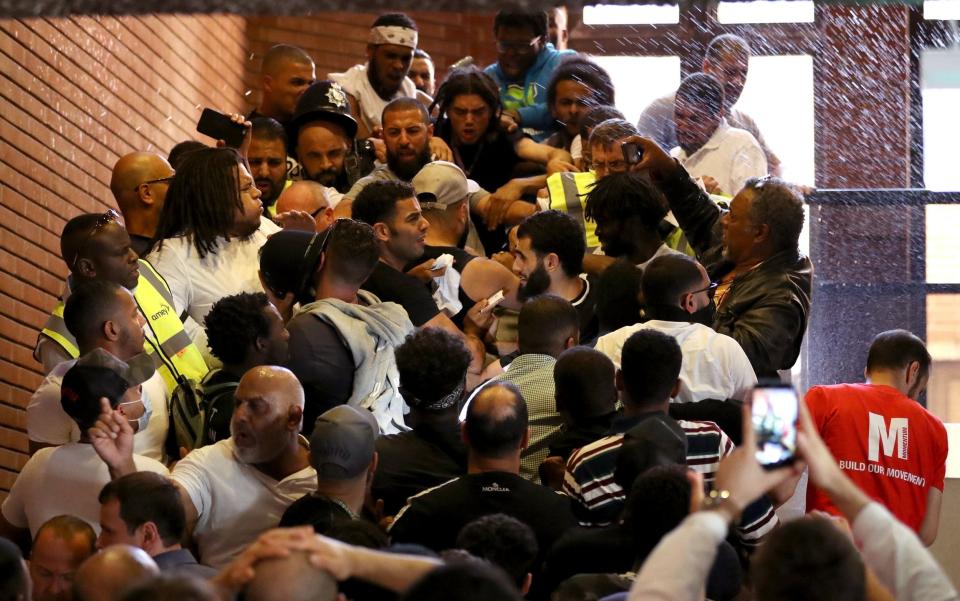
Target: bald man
[(495, 432), (139, 183), (310, 197), (286, 72), (61, 545), (106, 575), (290, 578), (239, 487)]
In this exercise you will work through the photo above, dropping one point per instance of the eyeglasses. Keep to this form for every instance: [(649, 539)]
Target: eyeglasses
[(110, 216), (518, 47), (160, 180), (318, 211), (312, 252), (759, 182), (710, 289), (612, 166)]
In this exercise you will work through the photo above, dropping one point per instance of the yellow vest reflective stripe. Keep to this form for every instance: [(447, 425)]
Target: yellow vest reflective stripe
[(156, 303), (56, 330), (568, 193)]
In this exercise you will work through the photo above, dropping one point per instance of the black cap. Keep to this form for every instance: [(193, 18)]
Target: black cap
[(324, 100), (287, 262)]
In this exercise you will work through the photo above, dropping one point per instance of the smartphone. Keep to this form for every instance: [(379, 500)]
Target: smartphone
[(631, 153), (493, 301), (220, 127), (774, 410)]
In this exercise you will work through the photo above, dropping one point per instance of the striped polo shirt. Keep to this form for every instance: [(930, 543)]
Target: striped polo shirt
[(599, 500)]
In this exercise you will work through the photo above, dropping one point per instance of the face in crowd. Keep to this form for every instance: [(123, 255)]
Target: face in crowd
[(107, 255), (322, 148), (530, 268), (268, 166), (423, 75), (408, 230), (407, 138), (289, 82), (246, 219), (517, 50), (389, 64), (469, 116), (265, 416)]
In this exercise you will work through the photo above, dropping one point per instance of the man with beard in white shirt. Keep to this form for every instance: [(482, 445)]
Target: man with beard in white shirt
[(236, 489)]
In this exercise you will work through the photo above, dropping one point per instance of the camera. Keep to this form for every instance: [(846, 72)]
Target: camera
[(360, 160)]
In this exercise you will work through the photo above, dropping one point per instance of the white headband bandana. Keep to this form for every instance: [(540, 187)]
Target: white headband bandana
[(393, 34)]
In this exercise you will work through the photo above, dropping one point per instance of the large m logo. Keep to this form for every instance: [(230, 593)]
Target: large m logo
[(893, 440)]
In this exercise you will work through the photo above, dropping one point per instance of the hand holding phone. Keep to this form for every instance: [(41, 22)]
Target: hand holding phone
[(632, 153), (493, 301), (774, 411), (221, 127)]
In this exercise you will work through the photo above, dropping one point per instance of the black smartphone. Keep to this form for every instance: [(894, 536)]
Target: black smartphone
[(775, 409), (220, 127), (631, 153)]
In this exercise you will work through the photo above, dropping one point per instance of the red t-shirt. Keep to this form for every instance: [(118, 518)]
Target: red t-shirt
[(889, 445)]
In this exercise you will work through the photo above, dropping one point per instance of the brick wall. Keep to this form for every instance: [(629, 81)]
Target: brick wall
[(76, 94), (337, 40)]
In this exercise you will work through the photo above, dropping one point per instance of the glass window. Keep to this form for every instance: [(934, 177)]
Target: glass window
[(940, 84), (766, 11), (778, 86), (941, 9), (943, 342), (639, 80), (631, 14), (943, 244)]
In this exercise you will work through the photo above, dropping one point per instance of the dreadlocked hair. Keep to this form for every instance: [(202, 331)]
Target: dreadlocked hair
[(620, 196), (462, 81), (202, 200)]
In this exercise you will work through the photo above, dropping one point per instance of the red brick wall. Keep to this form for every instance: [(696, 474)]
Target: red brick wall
[(75, 94), (337, 40)]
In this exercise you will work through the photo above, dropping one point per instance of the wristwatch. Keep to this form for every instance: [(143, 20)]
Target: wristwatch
[(719, 500)]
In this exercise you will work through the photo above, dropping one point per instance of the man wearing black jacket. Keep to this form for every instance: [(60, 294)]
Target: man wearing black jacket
[(751, 252)]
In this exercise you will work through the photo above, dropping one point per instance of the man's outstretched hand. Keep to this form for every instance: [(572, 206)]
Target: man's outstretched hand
[(112, 439)]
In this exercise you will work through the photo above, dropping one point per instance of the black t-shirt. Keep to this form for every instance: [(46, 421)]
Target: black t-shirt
[(322, 362), (405, 290), (490, 163), (412, 462), (460, 260), (434, 519), (586, 306), (314, 510), (569, 439), (140, 244)]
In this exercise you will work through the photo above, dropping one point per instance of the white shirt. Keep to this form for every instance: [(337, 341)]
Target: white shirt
[(731, 156), (714, 365), (356, 83), (894, 553), (198, 283), (663, 250), (235, 502), (63, 480), (48, 423)]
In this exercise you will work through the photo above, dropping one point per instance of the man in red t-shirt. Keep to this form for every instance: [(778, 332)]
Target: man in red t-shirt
[(885, 441)]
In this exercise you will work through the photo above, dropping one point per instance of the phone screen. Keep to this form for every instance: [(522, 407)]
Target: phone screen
[(775, 410)]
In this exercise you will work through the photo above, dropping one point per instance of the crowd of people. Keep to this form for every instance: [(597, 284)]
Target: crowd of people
[(470, 336)]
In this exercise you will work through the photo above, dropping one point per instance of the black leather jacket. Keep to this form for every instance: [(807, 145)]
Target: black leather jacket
[(765, 309)]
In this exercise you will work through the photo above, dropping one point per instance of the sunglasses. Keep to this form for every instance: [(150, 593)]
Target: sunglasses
[(161, 180), (110, 216)]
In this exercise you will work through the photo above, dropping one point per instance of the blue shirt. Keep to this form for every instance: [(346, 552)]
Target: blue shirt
[(529, 98)]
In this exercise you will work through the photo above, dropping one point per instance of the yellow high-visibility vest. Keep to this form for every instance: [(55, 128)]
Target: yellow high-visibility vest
[(568, 193), (155, 301)]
